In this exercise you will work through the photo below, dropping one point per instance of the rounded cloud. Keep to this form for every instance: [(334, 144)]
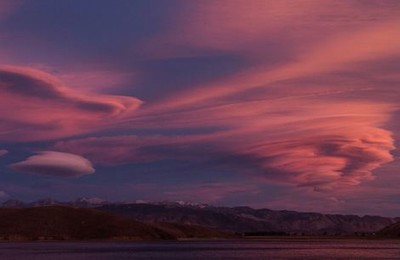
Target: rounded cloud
[(58, 164), (3, 152)]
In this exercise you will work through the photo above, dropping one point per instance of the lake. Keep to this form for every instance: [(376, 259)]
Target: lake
[(224, 249)]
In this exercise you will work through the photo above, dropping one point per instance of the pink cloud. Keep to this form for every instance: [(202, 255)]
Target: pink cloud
[(37, 106), (327, 162), (318, 145), (57, 164), (323, 139)]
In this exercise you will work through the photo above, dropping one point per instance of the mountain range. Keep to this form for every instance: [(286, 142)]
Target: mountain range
[(243, 220)]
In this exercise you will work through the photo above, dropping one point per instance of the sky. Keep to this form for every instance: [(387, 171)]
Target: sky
[(270, 104)]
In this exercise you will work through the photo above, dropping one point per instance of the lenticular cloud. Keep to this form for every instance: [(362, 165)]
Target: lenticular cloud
[(57, 164)]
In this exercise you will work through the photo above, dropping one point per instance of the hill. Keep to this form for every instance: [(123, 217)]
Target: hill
[(392, 230), (66, 223)]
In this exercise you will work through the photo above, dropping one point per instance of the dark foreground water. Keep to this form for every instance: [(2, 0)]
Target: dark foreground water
[(208, 250)]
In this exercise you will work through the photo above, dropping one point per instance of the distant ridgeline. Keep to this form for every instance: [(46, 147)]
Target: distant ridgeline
[(174, 220)]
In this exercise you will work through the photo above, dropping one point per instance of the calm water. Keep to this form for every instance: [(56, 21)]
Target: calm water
[(237, 249)]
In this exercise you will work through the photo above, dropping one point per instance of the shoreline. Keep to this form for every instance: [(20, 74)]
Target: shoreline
[(258, 238)]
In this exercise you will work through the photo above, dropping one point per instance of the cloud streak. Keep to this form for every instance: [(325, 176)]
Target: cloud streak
[(55, 164)]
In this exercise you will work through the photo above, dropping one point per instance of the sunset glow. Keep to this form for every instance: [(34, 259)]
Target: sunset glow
[(276, 104)]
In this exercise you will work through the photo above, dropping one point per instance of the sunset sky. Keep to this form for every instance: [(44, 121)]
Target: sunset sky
[(271, 104)]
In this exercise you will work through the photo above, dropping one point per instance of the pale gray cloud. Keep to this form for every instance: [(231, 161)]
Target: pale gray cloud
[(58, 164)]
